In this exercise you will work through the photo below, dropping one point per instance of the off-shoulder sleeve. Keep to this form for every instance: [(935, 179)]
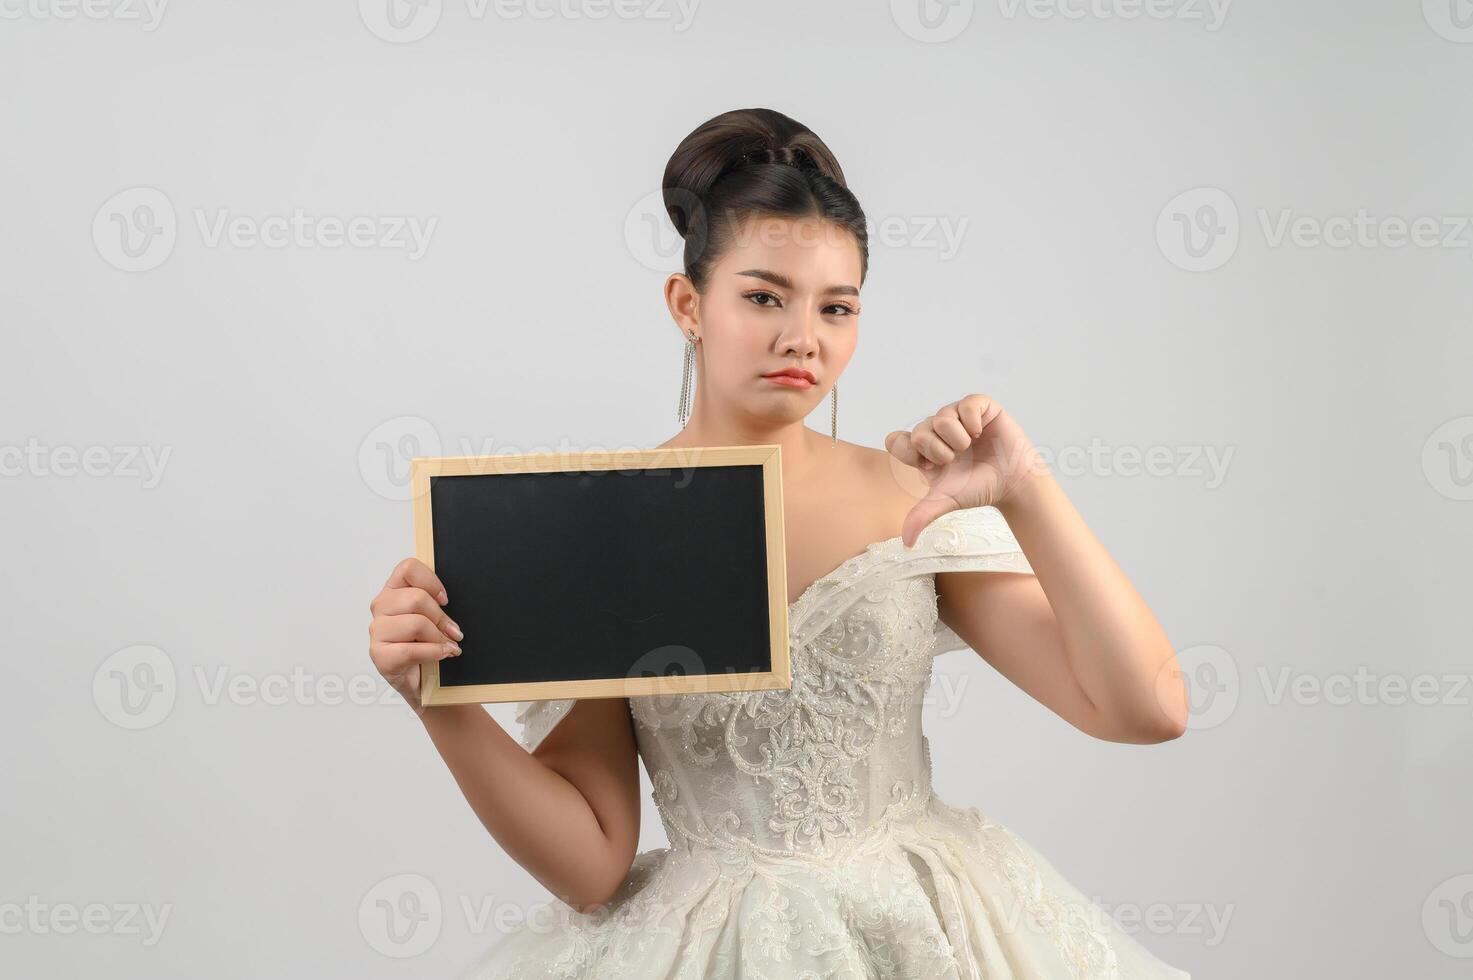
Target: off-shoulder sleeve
[(972, 539), (976, 539), (537, 718)]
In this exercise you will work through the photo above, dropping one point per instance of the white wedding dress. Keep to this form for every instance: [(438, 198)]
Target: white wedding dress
[(805, 841)]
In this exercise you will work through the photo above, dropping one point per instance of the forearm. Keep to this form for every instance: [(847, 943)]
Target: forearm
[(537, 816), (1116, 649)]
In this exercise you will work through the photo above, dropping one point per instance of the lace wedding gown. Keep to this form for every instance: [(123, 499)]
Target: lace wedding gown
[(805, 841)]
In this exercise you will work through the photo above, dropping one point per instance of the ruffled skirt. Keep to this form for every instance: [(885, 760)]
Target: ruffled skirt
[(946, 893)]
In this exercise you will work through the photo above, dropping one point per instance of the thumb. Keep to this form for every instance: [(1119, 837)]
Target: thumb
[(926, 510)]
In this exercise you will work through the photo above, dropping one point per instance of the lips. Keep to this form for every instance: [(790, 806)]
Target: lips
[(793, 376)]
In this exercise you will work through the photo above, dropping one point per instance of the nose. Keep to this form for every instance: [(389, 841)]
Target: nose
[(799, 336)]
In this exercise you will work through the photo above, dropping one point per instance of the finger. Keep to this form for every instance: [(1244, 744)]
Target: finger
[(415, 573), (976, 411), (394, 658), (397, 641), (926, 510), (400, 602), (952, 432), (931, 445), (900, 446), (406, 628)]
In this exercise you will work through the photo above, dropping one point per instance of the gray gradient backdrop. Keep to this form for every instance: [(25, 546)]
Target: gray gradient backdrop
[(1215, 259)]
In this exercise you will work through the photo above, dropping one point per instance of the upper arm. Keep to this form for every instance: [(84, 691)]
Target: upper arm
[(1007, 619), (593, 748)]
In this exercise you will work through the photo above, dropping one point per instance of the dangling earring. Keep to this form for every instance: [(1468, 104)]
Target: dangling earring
[(682, 413), (834, 416)]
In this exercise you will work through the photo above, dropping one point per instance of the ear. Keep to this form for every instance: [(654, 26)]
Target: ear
[(684, 304)]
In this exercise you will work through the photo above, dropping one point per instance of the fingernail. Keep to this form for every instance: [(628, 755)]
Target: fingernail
[(452, 649), (455, 631), (443, 597)]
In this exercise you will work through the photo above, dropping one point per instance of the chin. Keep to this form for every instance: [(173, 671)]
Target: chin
[(781, 414)]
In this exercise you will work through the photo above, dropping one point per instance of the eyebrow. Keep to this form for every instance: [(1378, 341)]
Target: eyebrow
[(778, 279)]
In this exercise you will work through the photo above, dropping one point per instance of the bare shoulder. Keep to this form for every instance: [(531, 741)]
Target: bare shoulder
[(888, 487)]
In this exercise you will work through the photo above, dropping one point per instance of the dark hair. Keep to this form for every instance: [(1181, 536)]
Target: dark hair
[(751, 162)]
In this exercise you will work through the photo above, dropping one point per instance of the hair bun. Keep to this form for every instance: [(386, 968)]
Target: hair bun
[(737, 140)]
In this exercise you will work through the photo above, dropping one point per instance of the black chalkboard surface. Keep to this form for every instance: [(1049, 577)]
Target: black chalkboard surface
[(606, 574)]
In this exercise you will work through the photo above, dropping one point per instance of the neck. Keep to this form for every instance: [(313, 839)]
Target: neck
[(801, 446)]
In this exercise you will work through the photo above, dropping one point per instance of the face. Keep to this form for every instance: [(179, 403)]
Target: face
[(785, 295)]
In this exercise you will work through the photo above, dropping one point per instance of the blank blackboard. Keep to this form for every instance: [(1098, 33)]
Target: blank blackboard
[(606, 574)]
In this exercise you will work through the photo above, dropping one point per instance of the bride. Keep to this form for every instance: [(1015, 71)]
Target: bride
[(805, 839)]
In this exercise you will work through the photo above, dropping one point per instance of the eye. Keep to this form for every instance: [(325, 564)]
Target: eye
[(839, 309)]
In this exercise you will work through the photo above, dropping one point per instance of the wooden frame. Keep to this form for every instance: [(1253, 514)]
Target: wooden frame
[(768, 457)]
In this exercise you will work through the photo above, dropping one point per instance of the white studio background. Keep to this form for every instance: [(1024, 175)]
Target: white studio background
[(1214, 256)]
